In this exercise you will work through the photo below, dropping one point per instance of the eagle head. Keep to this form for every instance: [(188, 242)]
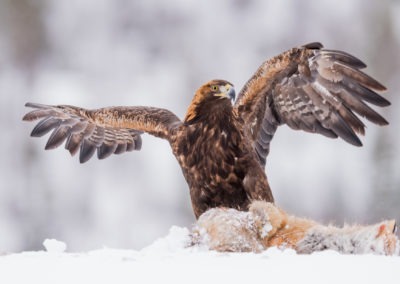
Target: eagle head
[(213, 96)]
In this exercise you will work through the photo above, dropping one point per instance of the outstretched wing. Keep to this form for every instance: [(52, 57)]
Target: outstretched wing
[(112, 130), (311, 89)]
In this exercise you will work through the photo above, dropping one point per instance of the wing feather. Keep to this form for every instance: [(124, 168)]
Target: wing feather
[(73, 142), (44, 126), (108, 131), (87, 150), (344, 57), (357, 76), (57, 137), (329, 117), (364, 93), (312, 89)]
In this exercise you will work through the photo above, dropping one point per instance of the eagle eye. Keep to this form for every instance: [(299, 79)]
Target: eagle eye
[(214, 88)]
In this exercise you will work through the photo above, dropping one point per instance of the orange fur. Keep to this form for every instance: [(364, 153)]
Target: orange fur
[(265, 225)]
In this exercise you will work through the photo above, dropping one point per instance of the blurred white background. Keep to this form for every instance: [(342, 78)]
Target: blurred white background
[(98, 53)]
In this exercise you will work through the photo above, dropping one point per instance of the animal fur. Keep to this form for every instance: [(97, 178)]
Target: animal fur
[(265, 225)]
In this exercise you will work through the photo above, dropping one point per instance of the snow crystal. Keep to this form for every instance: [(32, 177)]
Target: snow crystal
[(54, 246), (266, 229)]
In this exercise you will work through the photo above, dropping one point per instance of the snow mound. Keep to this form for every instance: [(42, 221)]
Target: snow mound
[(176, 241), (54, 246), (169, 259)]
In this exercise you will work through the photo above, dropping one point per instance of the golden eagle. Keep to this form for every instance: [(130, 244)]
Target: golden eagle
[(222, 144)]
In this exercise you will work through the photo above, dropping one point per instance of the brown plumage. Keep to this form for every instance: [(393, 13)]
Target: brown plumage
[(222, 147)]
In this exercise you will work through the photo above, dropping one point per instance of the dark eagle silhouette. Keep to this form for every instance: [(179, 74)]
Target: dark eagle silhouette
[(222, 146)]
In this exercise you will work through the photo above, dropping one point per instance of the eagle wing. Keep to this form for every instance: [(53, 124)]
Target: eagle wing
[(312, 89), (112, 130)]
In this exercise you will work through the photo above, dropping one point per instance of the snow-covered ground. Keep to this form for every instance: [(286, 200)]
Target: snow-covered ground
[(167, 260)]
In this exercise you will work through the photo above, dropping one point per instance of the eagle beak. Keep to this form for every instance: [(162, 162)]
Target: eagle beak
[(227, 91)]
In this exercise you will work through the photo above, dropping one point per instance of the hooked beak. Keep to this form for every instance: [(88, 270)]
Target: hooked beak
[(227, 91)]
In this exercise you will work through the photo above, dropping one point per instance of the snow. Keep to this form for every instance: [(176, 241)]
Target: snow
[(52, 245), (266, 229), (170, 260)]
